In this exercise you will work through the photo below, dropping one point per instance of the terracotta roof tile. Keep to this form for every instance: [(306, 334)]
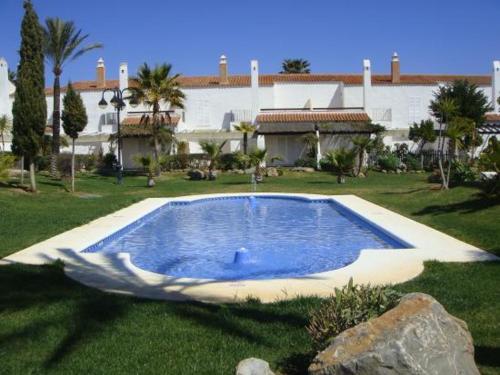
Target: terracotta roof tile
[(136, 120), (492, 117), (270, 79), (311, 116)]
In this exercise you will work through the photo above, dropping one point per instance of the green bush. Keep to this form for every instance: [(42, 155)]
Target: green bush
[(42, 162), (412, 163), (6, 163), (351, 305), (306, 162), (389, 162), (64, 164), (233, 160), (462, 173)]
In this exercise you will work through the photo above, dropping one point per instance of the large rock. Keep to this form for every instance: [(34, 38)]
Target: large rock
[(416, 337), (272, 172), (196, 175), (253, 366), (303, 169)]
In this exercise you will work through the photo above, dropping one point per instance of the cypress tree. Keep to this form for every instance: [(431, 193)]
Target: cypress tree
[(74, 118), (30, 108)]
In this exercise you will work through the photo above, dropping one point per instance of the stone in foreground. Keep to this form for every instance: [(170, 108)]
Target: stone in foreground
[(253, 366), (416, 337)]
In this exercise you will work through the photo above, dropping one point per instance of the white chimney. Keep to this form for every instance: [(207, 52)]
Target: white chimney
[(254, 74), (4, 88), (123, 75), (495, 85), (367, 85)]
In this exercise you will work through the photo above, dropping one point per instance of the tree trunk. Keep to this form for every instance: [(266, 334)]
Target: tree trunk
[(157, 155), (32, 176), (73, 165), (22, 170), (245, 143), (3, 143), (56, 127), (360, 162), (444, 182)]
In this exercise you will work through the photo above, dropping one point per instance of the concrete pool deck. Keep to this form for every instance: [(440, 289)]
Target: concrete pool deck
[(116, 273)]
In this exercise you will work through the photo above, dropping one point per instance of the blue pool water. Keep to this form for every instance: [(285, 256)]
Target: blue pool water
[(237, 238)]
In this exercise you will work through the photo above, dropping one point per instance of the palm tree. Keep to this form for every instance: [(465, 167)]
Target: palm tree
[(149, 165), (422, 133), (63, 43), (361, 144), (156, 87), (213, 150), (245, 128), (4, 126), (311, 142), (256, 158), (295, 66), (342, 162)]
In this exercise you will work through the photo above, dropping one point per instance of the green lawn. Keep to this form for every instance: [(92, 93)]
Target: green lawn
[(50, 324)]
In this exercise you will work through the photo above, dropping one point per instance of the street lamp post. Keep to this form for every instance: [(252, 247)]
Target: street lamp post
[(118, 102)]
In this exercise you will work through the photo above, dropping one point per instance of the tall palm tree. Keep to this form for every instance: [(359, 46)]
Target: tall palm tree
[(157, 87), (213, 150), (63, 43), (295, 66), (245, 128), (361, 144)]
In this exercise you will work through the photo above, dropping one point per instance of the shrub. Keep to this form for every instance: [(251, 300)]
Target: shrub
[(64, 164), (42, 162), (389, 162), (351, 305), (235, 160), (6, 162), (89, 162), (412, 163), (462, 173), (306, 162)]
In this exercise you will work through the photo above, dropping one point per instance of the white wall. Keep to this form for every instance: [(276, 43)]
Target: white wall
[(297, 95)]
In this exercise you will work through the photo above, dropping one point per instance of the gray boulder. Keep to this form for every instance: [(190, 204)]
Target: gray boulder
[(253, 366), (272, 172), (416, 337), (303, 169), (196, 175)]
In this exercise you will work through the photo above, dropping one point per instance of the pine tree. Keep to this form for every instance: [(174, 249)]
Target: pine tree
[(74, 118), (30, 108)]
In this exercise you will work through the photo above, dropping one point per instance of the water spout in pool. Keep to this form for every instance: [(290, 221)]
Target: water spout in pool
[(241, 256), (253, 181)]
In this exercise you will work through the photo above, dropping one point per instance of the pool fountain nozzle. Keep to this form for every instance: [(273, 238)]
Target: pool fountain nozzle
[(241, 256)]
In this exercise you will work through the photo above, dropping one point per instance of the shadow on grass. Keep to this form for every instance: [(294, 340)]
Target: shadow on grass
[(466, 207), (48, 300), (487, 356), (296, 363)]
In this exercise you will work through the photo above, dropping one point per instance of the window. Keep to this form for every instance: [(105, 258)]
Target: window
[(414, 109), (110, 118), (382, 114)]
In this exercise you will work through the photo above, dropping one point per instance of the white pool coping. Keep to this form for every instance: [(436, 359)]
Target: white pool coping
[(116, 273)]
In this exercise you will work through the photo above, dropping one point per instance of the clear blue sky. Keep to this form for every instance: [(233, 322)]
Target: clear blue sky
[(439, 36)]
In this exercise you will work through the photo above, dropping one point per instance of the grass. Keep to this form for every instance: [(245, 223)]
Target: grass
[(50, 324)]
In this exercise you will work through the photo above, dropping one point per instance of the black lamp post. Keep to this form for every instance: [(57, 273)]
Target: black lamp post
[(119, 104)]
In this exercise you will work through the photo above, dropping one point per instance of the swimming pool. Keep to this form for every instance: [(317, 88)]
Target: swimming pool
[(247, 237)]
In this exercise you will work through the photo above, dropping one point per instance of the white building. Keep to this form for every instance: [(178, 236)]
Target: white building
[(284, 106)]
